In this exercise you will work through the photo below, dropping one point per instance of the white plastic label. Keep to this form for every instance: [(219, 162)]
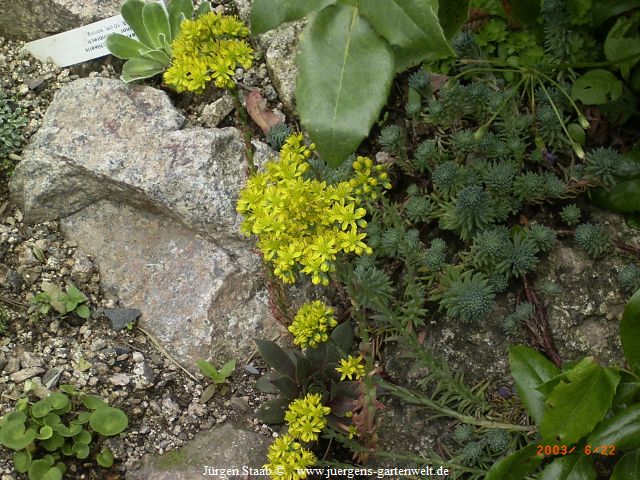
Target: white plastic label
[(80, 44)]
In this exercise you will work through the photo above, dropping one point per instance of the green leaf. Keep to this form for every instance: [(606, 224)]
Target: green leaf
[(272, 412), (83, 417), (42, 470), (576, 132), (621, 430), (80, 450), (140, 68), (596, 87), (206, 368), (92, 402), (156, 22), (59, 401), (303, 368), (345, 72), (108, 421), (83, 437), (41, 408), (131, 11), (178, 11), (226, 370), (452, 15), (158, 56), (15, 436), (22, 461), (530, 369), (71, 431), (602, 11), (622, 42), (342, 335), (576, 405), (268, 14), (630, 332), (264, 383), (525, 11), (628, 468), (571, 467), (45, 433), (54, 443), (105, 458), (627, 390), (83, 311), (287, 387), (515, 466), (124, 47), (411, 27), (276, 357)]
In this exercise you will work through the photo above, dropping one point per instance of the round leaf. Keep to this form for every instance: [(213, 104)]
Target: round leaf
[(22, 461), (14, 436), (92, 402), (45, 433), (105, 458), (108, 421), (596, 87), (80, 450), (41, 409), (59, 401)]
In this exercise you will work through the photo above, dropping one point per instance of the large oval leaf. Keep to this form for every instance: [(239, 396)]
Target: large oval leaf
[(571, 467), (108, 421), (139, 68), (156, 21), (122, 46), (345, 72), (530, 369), (178, 10), (630, 332), (621, 430), (516, 466), (268, 14), (276, 357), (578, 404), (411, 26), (628, 468)]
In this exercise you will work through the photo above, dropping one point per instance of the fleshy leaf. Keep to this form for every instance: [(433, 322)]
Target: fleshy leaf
[(272, 412), (124, 47), (345, 72), (108, 421), (178, 10), (276, 357), (140, 68), (156, 22), (131, 11)]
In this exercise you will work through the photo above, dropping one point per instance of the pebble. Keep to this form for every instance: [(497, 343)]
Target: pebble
[(120, 379), (25, 374)]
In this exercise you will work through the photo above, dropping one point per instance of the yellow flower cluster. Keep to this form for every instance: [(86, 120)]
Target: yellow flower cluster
[(369, 179), (351, 368), (288, 460), (311, 324), (205, 49), (301, 223), (306, 417)]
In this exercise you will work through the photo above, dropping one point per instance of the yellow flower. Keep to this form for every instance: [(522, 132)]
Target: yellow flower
[(311, 324), (351, 368), (288, 460), (306, 417)]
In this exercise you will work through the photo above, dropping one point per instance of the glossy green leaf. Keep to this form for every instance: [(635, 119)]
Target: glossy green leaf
[(345, 72), (630, 332), (156, 22), (140, 68), (621, 430), (124, 47), (596, 87), (268, 14), (22, 461), (108, 421), (571, 467), (105, 458), (452, 15), (622, 42), (578, 404), (178, 10), (515, 466), (276, 357), (272, 411), (627, 390), (16, 436), (628, 468), (131, 11), (412, 27), (530, 369)]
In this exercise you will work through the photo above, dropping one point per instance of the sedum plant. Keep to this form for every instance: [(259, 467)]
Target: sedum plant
[(302, 223), (349, 54), (155, 27), (12, 121), (63, 424)]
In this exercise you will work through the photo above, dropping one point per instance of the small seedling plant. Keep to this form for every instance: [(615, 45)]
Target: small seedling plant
[(64, 303), (67, 423), (218, 376)]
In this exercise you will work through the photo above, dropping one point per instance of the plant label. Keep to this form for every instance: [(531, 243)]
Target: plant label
[(80, 44)]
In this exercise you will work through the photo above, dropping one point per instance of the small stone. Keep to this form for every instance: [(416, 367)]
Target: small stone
[(29, 360), (98, 344), (270, 93), (120, 317), (25, 374), (14, 281), (82, 270), (26, 257), (51, 377), (215, 112), (12, 365), (120, 379), (240, 404)]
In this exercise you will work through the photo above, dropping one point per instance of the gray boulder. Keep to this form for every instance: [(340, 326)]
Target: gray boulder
[(239, 452), (28, 20), (155, 207)]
